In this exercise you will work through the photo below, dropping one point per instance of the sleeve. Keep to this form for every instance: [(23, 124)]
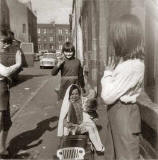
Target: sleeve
[(81, 77), (117, 84), (55, 70), (7, 71)]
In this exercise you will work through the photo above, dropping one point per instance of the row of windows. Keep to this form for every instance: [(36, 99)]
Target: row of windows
[(51, 39), (45, 31), (46, 46)]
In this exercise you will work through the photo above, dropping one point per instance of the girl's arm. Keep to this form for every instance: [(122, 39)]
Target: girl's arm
[(7, 71), (116, 84), (57, 68)]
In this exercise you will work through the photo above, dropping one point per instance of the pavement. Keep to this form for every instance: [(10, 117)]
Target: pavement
[(34, 115), (30, 79), (33, 134)]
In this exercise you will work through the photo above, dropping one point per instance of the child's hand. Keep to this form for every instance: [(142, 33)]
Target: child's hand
[(60, 62), (111, 63), (94, 119)]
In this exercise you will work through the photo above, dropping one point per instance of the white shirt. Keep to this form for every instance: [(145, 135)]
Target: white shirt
[(124, 83), (7, 71)]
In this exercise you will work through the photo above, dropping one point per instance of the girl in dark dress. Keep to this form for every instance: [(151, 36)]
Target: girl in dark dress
[(71, 69), (5, 73)]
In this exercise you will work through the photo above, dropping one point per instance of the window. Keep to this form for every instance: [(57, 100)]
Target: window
[(39, 31), (60, 38), (66, 38), (44, 30), (45, 39), (51, 39), (60, 31), (24, 28), (49, 55), (52, 30), (39, 46), (66, 31), (45, 46), (39, 39), (60, 47)]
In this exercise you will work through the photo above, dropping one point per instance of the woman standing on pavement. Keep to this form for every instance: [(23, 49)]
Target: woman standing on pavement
[(121, 85), (5, 72)]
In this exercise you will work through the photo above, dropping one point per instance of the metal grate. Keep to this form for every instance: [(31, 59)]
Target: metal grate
[(71, 153)]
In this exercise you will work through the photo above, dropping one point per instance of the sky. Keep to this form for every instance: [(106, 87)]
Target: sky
[(52, 10)]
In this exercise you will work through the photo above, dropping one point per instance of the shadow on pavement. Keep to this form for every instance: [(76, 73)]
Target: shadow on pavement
[(24, 140), (23, 78)]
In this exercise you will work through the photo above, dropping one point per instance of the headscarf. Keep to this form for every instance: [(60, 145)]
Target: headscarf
[(65, 109), (63, 112)]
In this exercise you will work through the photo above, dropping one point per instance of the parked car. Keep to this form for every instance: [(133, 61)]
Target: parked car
[(48, 60)]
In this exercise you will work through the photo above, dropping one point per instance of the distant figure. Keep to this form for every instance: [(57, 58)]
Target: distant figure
[(5, 72), (121, 85), (71, 69)]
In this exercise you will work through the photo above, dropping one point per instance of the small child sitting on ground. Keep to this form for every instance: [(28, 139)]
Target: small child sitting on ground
[(90, 107)]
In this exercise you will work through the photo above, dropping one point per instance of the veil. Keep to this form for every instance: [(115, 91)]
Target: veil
[(63, 112)]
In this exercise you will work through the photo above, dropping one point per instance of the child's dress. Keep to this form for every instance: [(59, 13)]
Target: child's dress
[(71, 73)]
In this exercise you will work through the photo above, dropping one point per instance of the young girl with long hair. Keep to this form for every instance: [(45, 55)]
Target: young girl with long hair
[(121, 85)]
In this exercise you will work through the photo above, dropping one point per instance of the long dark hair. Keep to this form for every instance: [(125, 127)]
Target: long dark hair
[(126, 35), (74, 86)]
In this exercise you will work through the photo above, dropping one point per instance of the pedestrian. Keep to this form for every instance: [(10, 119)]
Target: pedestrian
[(71, 69), (73, 119), (121, 85), (5, 72)]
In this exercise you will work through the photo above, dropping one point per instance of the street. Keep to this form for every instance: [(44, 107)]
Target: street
[(35, 114)]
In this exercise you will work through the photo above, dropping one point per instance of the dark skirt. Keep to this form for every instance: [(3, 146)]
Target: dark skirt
[(125, 125), (65, 83), (5, 122), (4, 95)]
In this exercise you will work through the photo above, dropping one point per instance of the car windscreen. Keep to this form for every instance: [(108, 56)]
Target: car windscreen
[(48, 56)]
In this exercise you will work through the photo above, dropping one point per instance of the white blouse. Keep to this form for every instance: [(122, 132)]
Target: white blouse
[(124, 82), (7, 71)]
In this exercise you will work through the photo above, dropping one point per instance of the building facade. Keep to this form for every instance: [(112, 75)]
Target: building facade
[(52, 36), (90, 22), (4, 15), (23, 22)]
